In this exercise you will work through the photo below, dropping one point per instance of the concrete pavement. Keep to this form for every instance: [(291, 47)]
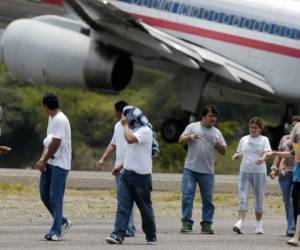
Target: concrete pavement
[(104, 180), (88, 235)]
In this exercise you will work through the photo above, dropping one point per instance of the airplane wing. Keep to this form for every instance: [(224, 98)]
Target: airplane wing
[(130, 34)]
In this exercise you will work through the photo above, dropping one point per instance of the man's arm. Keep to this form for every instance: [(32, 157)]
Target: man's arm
[(48, 153), (129, 136), (220, 147), (185, 139), (4, 149), (108, 152)]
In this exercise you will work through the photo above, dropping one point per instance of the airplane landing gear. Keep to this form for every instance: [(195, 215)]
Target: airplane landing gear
[(172, 129)]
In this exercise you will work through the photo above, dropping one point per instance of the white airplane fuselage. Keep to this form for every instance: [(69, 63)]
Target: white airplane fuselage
[(263, 36)]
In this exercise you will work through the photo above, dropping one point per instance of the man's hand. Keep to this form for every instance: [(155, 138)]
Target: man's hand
[(236, 156), (124, 121), (195, 136), (41, 165), (116, 170), (99, 164), (4, 149), (273, 174), (219, 145)]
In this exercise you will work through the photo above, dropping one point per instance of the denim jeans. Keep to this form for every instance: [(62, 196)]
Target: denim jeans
[(131, 228), (52, 189), (136, 188), (286, 185), (188, 187)]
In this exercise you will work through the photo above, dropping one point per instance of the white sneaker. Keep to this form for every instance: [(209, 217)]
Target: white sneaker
[(259, 228), (238, 227), (65, 227)]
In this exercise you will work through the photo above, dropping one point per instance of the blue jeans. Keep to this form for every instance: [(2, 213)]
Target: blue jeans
[(136, 188), (131, 228), (188, 187), (286, 185), (52, 189)]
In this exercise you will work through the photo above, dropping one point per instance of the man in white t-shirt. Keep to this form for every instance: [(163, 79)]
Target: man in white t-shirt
[(55, 164), (118, 145), (135, 183), (202, 139)]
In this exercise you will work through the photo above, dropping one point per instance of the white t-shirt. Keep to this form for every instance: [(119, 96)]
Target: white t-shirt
[(201, 152), (252, 148), (138, 157), (120, 142), (59, 127)]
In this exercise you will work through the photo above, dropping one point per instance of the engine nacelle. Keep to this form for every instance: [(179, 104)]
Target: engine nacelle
[(46, 53)]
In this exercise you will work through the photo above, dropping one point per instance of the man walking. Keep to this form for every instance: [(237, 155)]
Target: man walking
[(118, 145), (54, 165), (136, 177), (202, 139)]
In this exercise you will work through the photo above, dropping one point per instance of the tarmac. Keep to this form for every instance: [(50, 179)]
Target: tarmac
[(88, 235), (99, 180)]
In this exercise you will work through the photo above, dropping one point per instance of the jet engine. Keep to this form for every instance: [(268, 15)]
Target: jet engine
[(55, 54)]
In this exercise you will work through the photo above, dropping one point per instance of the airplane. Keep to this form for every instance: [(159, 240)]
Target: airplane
[(243, 52)]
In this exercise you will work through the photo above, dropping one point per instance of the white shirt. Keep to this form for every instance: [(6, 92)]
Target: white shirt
[(120, 142), (138, 157), (59, 127), (252, 148)]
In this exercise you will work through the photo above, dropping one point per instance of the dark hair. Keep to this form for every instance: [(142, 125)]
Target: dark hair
[(258, 121), (51, 101), (296, 118), (210, 109), (120, 105)]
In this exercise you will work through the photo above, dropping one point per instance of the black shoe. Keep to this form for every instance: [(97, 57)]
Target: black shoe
[(151, 241), (114, 239)]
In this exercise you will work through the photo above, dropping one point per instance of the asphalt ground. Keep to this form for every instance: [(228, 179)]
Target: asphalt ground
[(85, 235)]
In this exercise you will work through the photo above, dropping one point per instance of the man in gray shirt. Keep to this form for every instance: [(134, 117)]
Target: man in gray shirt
[(202, 139)]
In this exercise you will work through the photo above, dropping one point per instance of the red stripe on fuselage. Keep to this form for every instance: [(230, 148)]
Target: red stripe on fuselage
[(279, 49), (55, 2)]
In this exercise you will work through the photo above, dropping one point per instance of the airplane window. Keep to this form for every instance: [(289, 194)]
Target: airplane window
[(166, 6), (195, 11), (256, 25), (277, 30), (247, 23), (206, 14), (287, 32), (236, 21), (267, 27), (184, 10), (147, 3), (215, 16), (297, 34), (156, 4), (226, 19)]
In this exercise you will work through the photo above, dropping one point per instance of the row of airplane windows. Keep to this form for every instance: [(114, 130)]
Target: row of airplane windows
[(219, 17)]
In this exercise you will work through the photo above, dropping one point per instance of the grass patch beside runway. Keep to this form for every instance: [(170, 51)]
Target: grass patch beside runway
[(22, 203)]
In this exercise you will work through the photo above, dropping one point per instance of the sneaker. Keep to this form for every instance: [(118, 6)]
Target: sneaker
[(186, 226), (114, 239), (65, 227), (54, 237), (47, 236), (259, 228), (151, 241), (130, 232), (206, 227), (238, 227)]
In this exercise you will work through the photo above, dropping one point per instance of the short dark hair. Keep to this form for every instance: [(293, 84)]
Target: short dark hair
[(120, 105), (210, 109), (258, 121), (51, 101), (296, 118)]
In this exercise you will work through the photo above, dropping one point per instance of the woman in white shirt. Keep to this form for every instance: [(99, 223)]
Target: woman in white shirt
[(253, 173)]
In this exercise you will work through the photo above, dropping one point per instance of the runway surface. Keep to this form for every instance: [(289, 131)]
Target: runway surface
[(85, 235)]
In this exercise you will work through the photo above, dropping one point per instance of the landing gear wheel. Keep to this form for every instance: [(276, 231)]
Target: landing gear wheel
[(172, 129)]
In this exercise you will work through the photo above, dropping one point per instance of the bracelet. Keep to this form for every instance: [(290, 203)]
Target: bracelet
[(274, 168)]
